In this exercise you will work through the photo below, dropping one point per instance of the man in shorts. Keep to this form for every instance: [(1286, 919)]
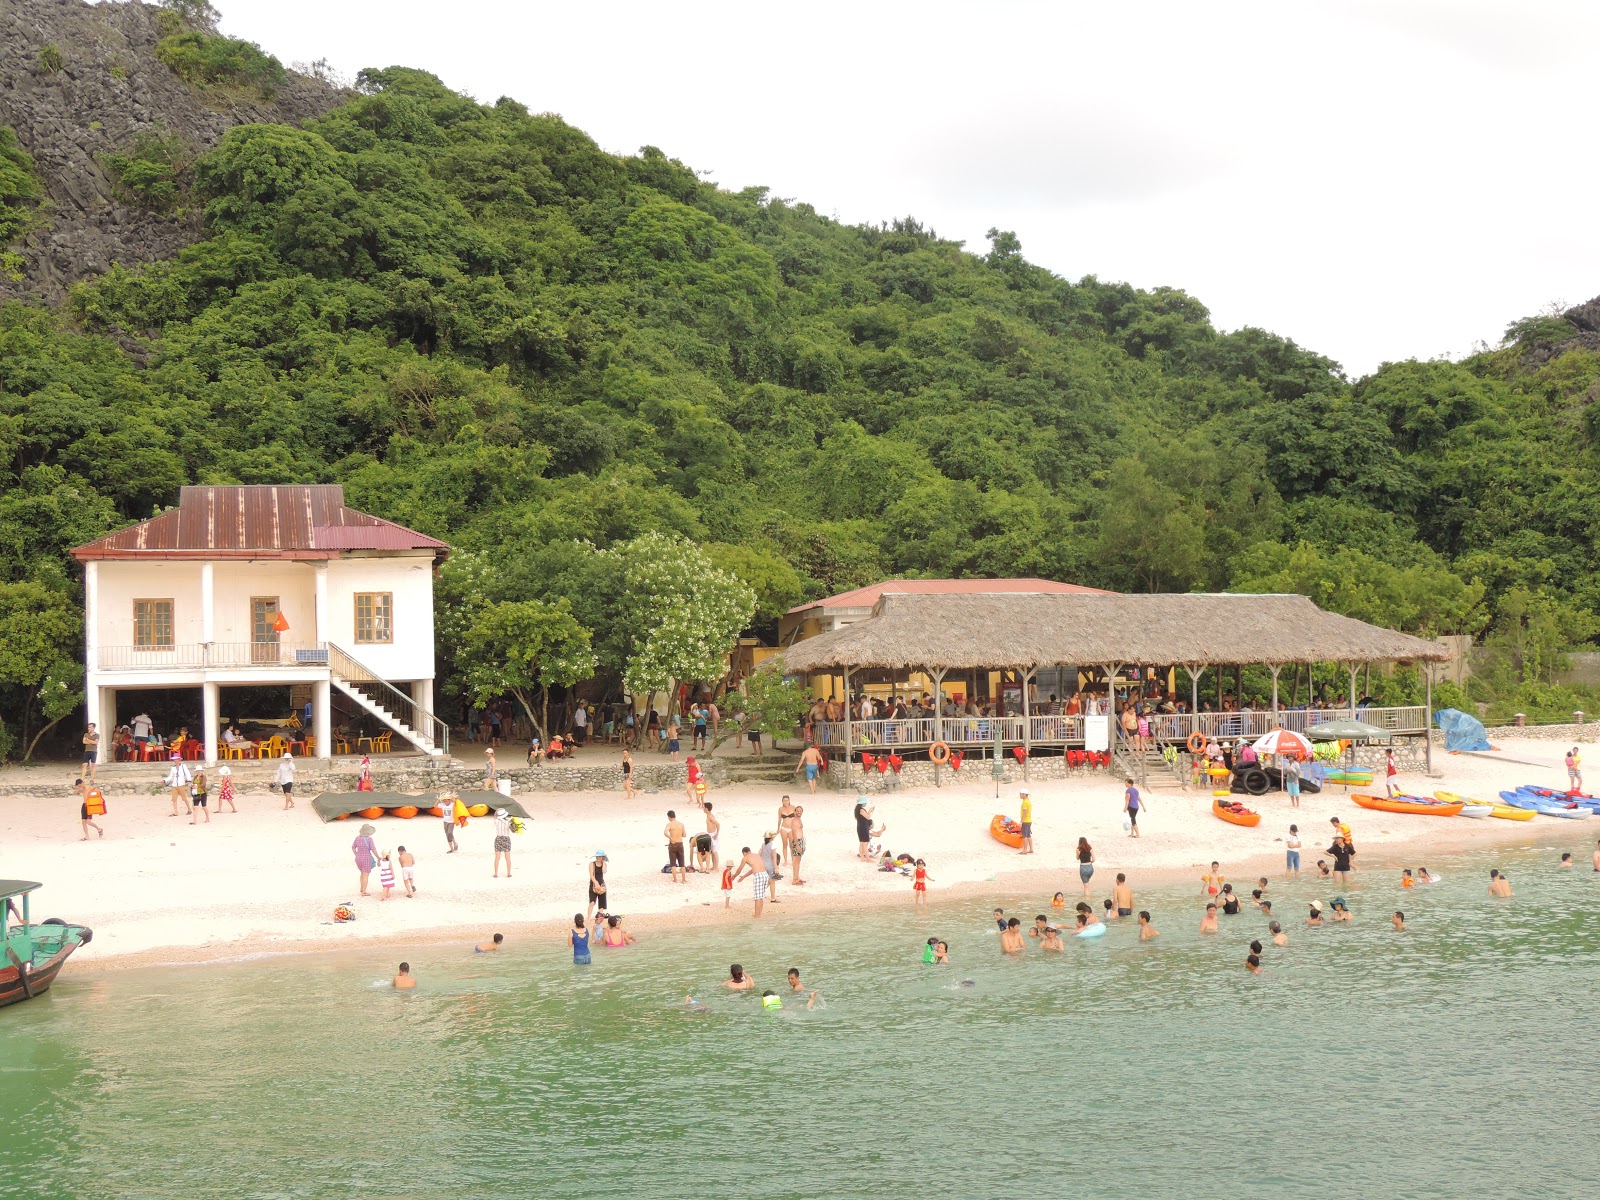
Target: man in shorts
[(811, 763), (1025, 816), (750, 864), (675, 834), (713, 831), (91, 750)]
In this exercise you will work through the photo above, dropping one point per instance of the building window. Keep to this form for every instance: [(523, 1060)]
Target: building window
[(374, 617), (152, 624)]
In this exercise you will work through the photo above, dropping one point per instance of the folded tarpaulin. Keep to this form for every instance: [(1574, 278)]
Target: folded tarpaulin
[(330, 806), (1461, 732)]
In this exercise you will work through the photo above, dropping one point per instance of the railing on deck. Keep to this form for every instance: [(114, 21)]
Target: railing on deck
[(202, 655), (1068, 731)]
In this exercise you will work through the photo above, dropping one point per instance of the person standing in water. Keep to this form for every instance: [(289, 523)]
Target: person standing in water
[(578, 939), (1279, 937), (1085, 854), (1147, 930), (1208, 923), (1025, 816), (1011, 939), (1291, 858), (1122, 896), (404, 979), (1398, 921), (1499, 885)]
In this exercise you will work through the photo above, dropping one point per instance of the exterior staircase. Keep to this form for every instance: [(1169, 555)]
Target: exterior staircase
[(381, 699), (1148, 768)]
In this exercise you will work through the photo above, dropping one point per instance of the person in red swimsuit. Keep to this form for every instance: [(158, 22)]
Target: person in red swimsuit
[(919, 884)]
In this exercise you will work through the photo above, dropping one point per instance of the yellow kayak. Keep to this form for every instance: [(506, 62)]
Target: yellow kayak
[(1503, 811)]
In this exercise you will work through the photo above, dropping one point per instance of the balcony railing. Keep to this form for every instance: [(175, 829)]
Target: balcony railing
[(1409, 720), (203, 655)]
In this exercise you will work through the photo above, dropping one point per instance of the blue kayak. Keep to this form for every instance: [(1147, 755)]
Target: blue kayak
[(1520, 799)]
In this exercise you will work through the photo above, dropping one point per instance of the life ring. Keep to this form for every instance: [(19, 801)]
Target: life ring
[(939, 753), (1197, 742)]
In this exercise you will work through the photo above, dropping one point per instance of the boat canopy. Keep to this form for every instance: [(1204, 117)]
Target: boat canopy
[(17, 887)]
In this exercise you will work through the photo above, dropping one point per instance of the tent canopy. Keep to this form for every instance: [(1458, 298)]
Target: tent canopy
[(330, 806)]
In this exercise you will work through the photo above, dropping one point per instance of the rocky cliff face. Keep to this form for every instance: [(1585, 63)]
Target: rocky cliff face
[(105, 91)]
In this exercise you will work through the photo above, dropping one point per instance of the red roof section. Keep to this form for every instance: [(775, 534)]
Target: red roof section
[(866, 597), (276, 521)]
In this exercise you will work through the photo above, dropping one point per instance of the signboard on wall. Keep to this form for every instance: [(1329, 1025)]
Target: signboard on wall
[(1097, 733)]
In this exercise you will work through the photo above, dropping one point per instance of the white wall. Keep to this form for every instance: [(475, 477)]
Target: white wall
[(237, 582), (119, 584), (410, 580)]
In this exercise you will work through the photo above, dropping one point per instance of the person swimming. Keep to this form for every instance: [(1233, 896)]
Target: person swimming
[(1316, 913), (1399, 921), (737, 980), (1279, 937), (1059, 900), (1208, 923), (771, 1000)]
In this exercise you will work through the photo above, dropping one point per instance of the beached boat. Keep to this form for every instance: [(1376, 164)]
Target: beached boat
[(1504, 811), (35, 954), (1421, 806), (1562, 799), (1006, 831), (1235, 814), (1548, 808), (1348, 776)]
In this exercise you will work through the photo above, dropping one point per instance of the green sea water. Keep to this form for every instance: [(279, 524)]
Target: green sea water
[(1459, 1059)]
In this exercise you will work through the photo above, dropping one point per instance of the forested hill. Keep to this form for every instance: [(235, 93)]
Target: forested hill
[(488, 328)]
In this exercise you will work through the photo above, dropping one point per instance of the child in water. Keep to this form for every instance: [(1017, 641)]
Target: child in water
[(1059, 900), (1147, 930), (1407, 880)]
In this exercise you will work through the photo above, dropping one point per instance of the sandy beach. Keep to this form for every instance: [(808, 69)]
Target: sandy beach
[(156, 889)]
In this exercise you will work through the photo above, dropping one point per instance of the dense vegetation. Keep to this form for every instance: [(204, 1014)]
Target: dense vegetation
[(489, 329)]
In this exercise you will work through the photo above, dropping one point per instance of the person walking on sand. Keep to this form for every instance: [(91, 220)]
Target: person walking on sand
[(598, 897), (365, 851), (404, 980), (490, 771), (864, 830), (1131, 805), (285, 779), (1085, 854), (785, 815), (1025, 816), (225, 788), (197, 791), (447, 807), (1574, 770), (675, 835), (91, 804), (408, 871), (1291, 853), (797, 844), (811, 763), (919, 885), (91, 750), (1391, 773), (627, 774), (770, 858), (750, 864), (502, 841), (178, 780)]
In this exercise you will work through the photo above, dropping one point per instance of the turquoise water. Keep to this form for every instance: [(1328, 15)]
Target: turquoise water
[(1455, 1060)]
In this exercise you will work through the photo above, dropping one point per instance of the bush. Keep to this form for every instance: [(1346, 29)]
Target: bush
[(154, 174), (50, 60), (19, 196), (207, 58)]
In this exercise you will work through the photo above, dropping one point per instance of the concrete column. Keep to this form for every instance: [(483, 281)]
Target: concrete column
[(208, 605), (322, 717), (422, 693), (91, 656), (103, 704), (323, 616), (211, 706)]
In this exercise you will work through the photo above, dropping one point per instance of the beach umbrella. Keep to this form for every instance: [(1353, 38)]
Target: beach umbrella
[(1285, 742), (1344, 729)]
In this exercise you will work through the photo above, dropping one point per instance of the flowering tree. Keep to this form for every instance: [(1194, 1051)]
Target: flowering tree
[(681, 613), (524, 647)]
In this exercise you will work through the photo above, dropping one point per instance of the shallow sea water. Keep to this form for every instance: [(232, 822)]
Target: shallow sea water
[(1456, 1060)]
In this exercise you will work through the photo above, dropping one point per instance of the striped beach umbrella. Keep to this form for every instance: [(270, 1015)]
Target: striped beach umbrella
[(1286, 742)]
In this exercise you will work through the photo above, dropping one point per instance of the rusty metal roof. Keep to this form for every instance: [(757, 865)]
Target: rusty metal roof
[(276, 521)]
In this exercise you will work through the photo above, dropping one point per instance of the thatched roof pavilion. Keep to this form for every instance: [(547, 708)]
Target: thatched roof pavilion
[(1033, 630)]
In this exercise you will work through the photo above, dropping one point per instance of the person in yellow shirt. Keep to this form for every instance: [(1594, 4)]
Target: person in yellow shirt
[(1026, 817)]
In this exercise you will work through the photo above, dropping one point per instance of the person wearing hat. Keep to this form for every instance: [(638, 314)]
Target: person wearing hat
[(285, 779), (864, 830), (177, 780), (1026, 817), (502, 841), (1316, 913), (365, 851), (599, 898), (1340, 912)]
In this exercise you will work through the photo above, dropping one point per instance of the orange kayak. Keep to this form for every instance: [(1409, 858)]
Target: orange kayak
[(1239, 816), (1408, 805), (1001, 830)]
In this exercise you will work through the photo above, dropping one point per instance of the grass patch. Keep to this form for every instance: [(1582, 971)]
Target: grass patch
[(209, 59)]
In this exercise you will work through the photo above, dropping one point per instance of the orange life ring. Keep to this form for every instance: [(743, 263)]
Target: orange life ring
[(1197, 742), (939, 752)]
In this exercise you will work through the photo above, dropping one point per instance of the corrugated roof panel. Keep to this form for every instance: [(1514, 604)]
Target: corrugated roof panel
[(866, 597)]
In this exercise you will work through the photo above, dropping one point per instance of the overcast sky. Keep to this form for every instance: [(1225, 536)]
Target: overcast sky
[(1377, 179)]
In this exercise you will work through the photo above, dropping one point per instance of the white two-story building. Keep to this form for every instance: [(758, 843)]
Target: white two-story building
[(264, 586)]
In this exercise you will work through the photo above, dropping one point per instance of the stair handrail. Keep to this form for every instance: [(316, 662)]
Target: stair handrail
[(1122, 753), (343, 664)]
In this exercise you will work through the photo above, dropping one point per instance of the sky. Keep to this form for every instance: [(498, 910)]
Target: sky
[(1376, 179)]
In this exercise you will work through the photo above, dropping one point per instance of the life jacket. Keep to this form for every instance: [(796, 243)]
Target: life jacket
[(94, 803)]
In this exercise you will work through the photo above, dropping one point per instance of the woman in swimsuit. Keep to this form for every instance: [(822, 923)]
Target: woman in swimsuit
[(615, 934), (785, 831), (737, 980), (1230, 902), (578, 939), (1085, 863)]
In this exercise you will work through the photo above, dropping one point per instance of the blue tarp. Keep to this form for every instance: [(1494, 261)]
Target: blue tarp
[(1461, 732)]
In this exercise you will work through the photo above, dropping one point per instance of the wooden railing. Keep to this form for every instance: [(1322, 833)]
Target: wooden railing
[(1409, 720)]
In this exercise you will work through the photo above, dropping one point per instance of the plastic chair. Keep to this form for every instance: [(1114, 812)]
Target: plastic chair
[(271, 748), (382, 743), (230, 752), (311, 745)]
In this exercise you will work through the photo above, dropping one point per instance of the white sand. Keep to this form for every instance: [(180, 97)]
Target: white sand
[(157, 889)]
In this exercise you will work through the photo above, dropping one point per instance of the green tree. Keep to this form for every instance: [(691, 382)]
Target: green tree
[(773, 704), (41, 640), (524, 648)]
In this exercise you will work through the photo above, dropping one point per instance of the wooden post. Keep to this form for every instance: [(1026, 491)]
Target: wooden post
[(1352, 696), (1027, 720), (1427, 715), (1195, 671), (849, 719), (1275, 671)]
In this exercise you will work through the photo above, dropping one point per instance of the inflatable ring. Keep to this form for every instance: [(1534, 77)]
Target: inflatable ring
[(1197, 742), (939, 752)]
